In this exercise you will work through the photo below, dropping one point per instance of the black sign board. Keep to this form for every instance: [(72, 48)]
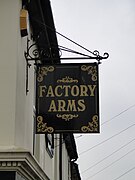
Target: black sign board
[(67, 98)]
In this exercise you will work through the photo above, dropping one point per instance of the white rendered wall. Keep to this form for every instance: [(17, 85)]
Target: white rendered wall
[(16, 109), (9, 11)]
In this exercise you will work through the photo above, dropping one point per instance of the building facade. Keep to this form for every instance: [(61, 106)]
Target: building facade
[(23, 154)]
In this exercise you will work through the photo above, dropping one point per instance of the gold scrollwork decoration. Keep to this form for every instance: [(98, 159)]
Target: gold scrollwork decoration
[(91, 70), (92, 126), (43, 72), (67, 79), (67, 117), (42, 127)]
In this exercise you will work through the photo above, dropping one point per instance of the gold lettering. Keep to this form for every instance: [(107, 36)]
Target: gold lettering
[(92, 89), (50, 92), (52, 107), (66, 90), (71, 105), (75, 90), (81, 104), (41, 90), (61, 105), (56, 91), (84, 90)]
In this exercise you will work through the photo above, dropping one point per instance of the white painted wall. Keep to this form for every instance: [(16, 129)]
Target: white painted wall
[(9, 23), (16, 109)]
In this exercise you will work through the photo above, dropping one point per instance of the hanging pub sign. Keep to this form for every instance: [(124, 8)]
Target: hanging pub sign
[(67, 98)]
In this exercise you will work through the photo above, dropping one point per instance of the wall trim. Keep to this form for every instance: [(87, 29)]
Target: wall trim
[(24, 163)]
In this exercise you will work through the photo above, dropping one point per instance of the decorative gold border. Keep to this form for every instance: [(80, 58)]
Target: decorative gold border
[(43, 72), (67, 117), (92, 126), (67, 79), (91, 70), (42, 127)]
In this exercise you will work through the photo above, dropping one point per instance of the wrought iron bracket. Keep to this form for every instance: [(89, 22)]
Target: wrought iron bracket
[(33, 53), (28, 65), (95, 55)]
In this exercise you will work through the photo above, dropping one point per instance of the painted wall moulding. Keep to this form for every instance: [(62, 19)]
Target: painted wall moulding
[(23, 163)]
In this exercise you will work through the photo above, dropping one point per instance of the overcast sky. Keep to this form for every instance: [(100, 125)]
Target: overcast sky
[(106, 26)]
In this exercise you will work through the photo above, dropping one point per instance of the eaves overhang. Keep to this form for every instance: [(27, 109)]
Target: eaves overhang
[(41, 19)]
